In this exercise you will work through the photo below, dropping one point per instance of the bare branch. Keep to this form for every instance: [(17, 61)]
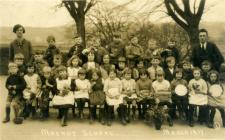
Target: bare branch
[(173, 15), (187, 9), (89, 5), (201, 9), (177, 8)]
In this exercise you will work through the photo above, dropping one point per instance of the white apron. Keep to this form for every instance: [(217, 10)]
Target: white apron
[(198, 99), (114, 101)]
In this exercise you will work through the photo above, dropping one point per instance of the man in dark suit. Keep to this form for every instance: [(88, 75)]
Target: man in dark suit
[(206, 51)]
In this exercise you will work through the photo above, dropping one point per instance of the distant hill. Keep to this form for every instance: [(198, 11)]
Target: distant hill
[(64, 34)]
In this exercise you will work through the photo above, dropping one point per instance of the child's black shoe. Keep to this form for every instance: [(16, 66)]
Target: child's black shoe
[(7, 119)]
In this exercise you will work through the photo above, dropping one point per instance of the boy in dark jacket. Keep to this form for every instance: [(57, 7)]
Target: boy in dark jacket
[(15, 84), (51, 50)]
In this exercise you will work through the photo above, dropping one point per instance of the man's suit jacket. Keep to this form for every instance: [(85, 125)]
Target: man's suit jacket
[(211, 53)]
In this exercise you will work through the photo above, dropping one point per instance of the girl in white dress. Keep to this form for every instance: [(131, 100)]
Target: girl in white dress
[(64, 98), (112, 89), (198, 97), (32, 90), (82, 91)]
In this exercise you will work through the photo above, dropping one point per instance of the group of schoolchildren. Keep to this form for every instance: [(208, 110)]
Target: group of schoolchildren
[(110, 79)]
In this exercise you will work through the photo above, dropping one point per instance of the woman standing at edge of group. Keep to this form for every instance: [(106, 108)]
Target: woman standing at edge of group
[(20, 44)]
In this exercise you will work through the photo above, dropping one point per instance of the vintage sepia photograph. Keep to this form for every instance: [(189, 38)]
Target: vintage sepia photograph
[(112, 69)]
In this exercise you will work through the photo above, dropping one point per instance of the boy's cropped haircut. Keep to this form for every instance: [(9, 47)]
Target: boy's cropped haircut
[(160, 71), (12, 64), (38, 52), (127, 71), (112, 69), (96, 71), (57, 56), (61, 68), (206, 62), (30, 65), (19, 56), (121, 59), (197, 69), (82, 71), (156, 57), (50, 37), (47, 69), (143, 71)]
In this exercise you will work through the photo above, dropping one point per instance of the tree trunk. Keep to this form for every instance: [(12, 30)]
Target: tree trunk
[(193, 36), (80, 26)]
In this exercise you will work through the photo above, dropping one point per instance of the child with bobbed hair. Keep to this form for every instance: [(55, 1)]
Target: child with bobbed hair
[(97, 96)]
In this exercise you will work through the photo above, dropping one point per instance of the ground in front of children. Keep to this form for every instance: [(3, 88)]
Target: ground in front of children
[(81, 129)]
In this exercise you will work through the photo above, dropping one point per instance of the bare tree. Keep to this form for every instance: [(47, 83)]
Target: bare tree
[(108, 21), (186, 18), (78, 9)]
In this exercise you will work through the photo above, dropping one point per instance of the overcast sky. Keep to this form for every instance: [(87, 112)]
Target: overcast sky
[(42, 13)]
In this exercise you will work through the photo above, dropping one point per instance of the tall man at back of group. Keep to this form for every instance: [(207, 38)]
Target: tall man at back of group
[(206, 50)]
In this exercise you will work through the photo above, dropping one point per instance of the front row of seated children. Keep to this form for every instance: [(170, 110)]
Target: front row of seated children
[(76, 85)]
